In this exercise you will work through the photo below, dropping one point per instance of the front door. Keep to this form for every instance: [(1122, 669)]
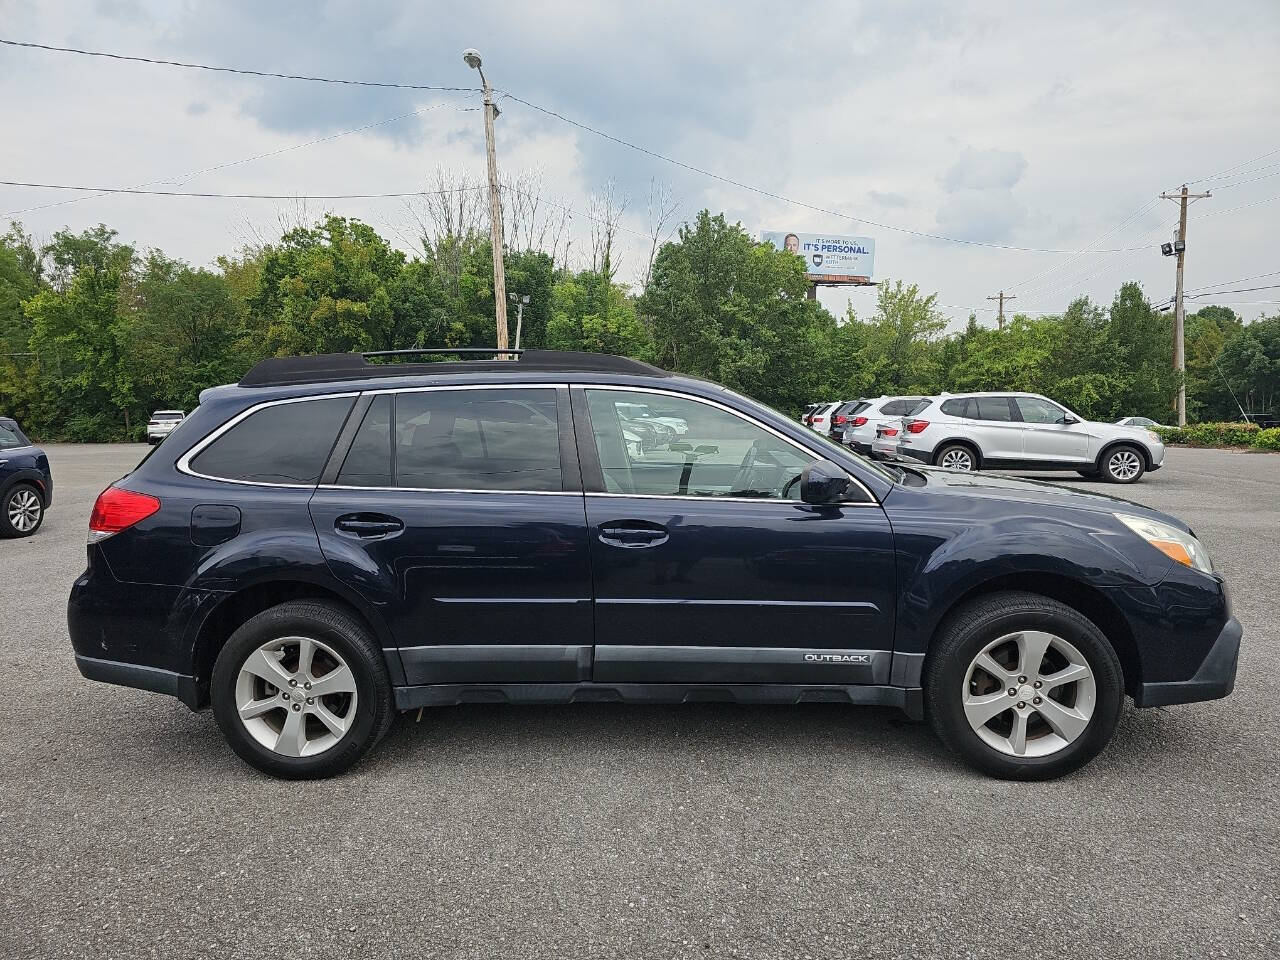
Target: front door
[(1046, 438), (458, 513), (709, 569)]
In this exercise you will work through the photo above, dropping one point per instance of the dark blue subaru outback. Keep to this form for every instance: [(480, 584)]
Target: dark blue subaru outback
[(336, 538)]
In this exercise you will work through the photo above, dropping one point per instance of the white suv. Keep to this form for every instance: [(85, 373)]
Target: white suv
[(163, 423), (1025, 431), (860, 427)]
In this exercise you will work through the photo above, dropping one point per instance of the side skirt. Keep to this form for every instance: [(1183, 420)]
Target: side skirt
[(909, 700)]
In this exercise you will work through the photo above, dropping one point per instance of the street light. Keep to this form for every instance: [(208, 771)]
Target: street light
[(471, 57), (521, 302)]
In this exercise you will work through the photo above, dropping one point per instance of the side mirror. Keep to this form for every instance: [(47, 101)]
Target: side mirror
[(1068, 420), (823, 482), (706, 449), (679, 446)]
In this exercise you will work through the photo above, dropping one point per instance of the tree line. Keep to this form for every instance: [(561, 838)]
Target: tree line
[(95, 334)]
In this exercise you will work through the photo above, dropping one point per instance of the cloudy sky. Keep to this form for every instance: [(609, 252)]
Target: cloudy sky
[(1050, 126)]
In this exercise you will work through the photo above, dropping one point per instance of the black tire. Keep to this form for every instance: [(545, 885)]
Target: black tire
[(958, 448), (1123, 463), (20, 494), (337, 627), (964, 635)]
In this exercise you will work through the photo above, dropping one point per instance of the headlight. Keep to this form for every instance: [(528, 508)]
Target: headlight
[(1154, 437), (1170, 541)]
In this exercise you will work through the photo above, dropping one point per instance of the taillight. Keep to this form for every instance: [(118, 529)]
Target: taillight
[(118, 509), (888, 432), (859, 421), (838, 419), (917, 426)]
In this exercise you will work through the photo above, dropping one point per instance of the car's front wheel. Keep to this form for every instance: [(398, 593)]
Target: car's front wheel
[(21, 511), (1123, 464), (301, 690), (1023, 687)]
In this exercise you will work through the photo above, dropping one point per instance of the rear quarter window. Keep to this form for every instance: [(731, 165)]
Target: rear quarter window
[(281, 443), (956, 408)]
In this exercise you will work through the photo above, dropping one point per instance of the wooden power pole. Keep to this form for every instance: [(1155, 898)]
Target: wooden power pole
[(472, 59), (1179, 310), (1002, 297)]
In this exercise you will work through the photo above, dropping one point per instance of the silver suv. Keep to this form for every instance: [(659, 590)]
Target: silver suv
[(1025, 431), (861, 423), (163, 423)]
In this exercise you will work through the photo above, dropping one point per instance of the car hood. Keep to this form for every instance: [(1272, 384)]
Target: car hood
[(1055, 495)]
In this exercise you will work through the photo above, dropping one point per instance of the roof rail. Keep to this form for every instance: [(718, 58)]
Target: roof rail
[(322, 367)]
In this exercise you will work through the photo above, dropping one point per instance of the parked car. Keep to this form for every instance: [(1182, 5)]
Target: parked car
[(1138, 422), (840, 416), (334, 539), (888, 442), (163, 423), (1025, 431), (820, 419), (26, 482), (807, 416), (860, 428)]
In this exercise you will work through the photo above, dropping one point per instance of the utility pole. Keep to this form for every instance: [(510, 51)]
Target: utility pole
[(1179, 311), (1002, 298), (471, 57), (520, 302)]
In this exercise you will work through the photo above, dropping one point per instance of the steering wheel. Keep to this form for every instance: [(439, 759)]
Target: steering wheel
[(786, 487)]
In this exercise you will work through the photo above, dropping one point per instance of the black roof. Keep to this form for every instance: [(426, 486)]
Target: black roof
[(323, 367)]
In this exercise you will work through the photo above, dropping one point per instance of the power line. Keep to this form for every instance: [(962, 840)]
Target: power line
[(1245, 163), (791, 200), (238, 70), (232, 163), (235, 196), (1256, 276)]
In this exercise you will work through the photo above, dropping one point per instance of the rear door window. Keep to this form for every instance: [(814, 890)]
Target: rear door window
[(282, 443), (994, 408), (490, 439)]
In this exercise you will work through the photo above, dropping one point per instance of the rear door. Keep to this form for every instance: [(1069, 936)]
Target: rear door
[(996, 427), (1045, 438), (458, 513), (709, 569)]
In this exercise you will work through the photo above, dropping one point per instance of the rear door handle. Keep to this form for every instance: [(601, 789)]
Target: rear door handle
[(368, 526), (632, 534)]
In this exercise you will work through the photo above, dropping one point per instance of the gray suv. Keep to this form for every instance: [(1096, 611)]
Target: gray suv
[(1025, 431)]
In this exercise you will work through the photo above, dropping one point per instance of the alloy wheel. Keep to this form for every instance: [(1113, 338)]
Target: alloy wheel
[(1124, 464), (1029, 694), (296, 696), (24, 510), (957, 459)]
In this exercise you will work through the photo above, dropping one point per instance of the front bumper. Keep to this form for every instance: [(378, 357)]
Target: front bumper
[(1215, 678)]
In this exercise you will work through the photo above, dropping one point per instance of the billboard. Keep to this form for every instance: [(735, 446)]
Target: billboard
[(827, 256)]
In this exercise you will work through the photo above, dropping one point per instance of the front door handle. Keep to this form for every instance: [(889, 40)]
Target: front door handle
[(368, 526), (632, 534)]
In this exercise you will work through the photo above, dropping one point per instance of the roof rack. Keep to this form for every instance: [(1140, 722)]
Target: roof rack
[(322, 367)]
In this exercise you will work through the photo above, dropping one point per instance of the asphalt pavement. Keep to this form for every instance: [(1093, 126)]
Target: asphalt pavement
[(128, 828)]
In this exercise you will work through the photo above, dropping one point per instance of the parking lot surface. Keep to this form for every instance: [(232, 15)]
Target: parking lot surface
[(128, 828)]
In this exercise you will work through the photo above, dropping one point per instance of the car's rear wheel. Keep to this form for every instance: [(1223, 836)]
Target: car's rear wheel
[(1123, 464), (1023, 687), (301, 690), (21, 511), (956, 456)]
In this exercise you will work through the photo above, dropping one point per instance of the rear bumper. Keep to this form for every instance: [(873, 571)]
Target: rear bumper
[(1215, 678), (143, 678)]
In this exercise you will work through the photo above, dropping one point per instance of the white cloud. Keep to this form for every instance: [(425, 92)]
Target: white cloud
[(1035, 125)]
